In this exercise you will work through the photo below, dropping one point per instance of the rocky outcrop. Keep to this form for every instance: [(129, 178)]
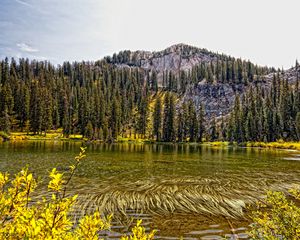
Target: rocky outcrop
[(217, 99), (175, 58), (289, 74)]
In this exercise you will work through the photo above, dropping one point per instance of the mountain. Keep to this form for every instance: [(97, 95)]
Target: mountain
[(217, 95), (204, 71), (176, 58), (182, 93), (250, 102)]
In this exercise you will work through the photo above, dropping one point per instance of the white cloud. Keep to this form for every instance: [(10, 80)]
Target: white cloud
[(23, 3), (26, 48)]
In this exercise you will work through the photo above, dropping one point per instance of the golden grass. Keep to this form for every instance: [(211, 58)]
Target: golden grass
[(50, 135), (278, 145), (217, 144)]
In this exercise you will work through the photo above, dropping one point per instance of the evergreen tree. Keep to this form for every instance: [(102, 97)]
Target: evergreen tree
[(143, 116), (298, 125), (115, 118), (213, 130), (169, 118), (238, 134), (193, 122), (157, 119), (154, 84), (201, 123)]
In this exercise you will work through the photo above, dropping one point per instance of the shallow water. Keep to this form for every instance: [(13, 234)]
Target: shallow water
[(198, 192)]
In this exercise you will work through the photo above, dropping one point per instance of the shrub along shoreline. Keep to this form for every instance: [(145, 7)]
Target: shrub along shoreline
[(57, 135)]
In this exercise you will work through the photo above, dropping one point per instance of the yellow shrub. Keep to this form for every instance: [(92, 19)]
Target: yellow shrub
[(138, 233), (277, 217), (20, 218)]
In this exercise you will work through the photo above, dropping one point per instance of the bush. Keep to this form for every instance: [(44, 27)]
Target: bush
[(49, 218), (4, 135), (277, 217)]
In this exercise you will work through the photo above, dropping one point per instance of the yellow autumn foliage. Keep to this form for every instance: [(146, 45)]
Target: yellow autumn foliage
[(49, 218), (138, 233), (278, 217)]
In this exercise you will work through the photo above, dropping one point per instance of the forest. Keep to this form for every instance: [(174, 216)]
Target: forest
[(102, 100)]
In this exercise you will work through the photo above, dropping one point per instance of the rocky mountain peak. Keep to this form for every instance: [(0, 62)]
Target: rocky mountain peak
[(174, 58)]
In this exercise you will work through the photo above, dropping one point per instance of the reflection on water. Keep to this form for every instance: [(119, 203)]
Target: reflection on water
[(182, 190)]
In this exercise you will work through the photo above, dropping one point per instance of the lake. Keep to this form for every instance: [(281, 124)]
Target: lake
[(194, 191)]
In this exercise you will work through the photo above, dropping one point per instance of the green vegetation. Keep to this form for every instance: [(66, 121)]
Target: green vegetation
[(277, 218), (267, 115), (101, 101)]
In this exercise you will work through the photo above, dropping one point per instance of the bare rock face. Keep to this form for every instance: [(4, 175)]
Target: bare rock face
[(175, 58), (289, 74), (218, 99)]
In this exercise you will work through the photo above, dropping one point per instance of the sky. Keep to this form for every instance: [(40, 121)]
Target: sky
[(265, 31)]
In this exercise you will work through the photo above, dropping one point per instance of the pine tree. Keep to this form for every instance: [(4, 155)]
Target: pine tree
[(169, 118), (5, 71), (185, 121), (193, 122), (46, 112), (213, 130), (222, 132), (83, 111), (34, 117), (115, 118), (157, 118), (143, 116), (201, 123), (238, 134), (89, 132), (6, 107), (5, 123), (154, 84), (298, 125), (180, 126), (172, 113)]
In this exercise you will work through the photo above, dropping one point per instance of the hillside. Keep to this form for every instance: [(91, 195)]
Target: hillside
[(182, 93), (203, 84)]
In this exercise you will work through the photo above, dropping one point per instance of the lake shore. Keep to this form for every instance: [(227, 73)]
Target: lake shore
[(56, 135)]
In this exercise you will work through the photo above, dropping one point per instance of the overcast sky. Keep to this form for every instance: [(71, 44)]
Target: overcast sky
[(265, 31)]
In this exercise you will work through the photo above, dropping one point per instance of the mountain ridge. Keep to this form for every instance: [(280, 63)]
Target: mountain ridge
[(216, 95), (204, 85)]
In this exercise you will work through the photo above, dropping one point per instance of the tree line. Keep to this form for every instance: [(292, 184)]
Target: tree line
[(267, 113), (102, 100)]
